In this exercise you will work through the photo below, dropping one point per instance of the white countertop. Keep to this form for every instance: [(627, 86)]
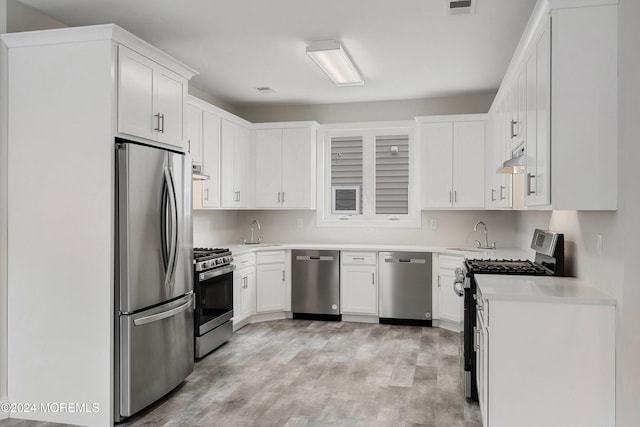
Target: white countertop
[(540, 289), (510, 253)]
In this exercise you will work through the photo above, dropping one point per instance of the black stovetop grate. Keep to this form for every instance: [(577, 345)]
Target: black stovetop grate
[(505, 266)]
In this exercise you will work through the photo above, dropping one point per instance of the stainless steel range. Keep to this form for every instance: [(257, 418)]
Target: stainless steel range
[(549, 261), (213, 286)]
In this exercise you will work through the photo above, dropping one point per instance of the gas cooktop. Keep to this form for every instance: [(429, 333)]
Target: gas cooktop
[(200, 254), (505, 266)]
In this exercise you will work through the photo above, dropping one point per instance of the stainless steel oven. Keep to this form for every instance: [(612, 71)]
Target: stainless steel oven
[(213, 285)]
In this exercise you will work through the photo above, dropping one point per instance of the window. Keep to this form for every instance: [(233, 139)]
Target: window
[(392, 174), (368, 176), (346, 175)]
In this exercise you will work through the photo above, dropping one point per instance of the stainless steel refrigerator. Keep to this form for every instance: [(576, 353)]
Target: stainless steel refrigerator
[(154, 275)]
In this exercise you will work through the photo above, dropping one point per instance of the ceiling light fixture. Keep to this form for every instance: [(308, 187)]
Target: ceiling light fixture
[(334, 61)]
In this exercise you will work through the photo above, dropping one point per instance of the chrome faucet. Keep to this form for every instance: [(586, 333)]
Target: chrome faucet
[(486, 236), (256, 223)]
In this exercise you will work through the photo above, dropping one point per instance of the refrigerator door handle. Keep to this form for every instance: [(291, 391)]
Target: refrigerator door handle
[(163, 315), (173, 255)]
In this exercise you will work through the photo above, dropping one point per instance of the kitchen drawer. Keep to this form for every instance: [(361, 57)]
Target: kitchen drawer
[(244, 260), (364, 258), (271, 257), (449, 262)]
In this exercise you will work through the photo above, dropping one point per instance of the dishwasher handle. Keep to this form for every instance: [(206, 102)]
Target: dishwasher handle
[(314, 258), (406, 260)]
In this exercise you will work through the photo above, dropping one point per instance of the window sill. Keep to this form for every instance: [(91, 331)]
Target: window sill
[(351, 222)]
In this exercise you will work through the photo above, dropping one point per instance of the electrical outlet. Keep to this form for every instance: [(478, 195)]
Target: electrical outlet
[(599, 244), (299, 223), (433, 224)]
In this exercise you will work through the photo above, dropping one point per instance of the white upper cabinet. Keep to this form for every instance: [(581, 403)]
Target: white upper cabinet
[(537, 190), (211, 159), (194, 133), (236, 170), (564, 77), (151, 99), (285, 166), (452, 162)]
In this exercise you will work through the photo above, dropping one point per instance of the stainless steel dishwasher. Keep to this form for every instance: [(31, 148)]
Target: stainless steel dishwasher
[(315, 284), (405, 288)]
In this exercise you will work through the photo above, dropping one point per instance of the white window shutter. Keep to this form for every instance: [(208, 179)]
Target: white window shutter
[(346, 164), (392, 175)]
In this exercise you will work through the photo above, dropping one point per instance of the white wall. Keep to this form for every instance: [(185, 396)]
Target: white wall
[(3, 210), (455, 228), (214, 228), (368, 111), (617, 270), (628, 336), (198, 93), (14, 17), (25, 18)]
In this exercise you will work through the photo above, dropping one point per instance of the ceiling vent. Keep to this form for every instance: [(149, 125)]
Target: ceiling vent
[(265, 89), (461, 7)]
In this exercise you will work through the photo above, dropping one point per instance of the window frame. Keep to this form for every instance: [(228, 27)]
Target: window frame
[(368, 131)]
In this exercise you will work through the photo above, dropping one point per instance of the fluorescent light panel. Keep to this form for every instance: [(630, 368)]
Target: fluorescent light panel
[(334, 61)]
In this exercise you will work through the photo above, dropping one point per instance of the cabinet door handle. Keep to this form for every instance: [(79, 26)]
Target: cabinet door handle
[(529, 190), (162, 121), (206, 194), (438, 281), (513, 129), (502, 187), (283, 197), (157, 116), (189, 145), (493, 195), (246, 282), (450, 197), (278, 197), (238, 195), (455, 196), (283, 275), (373, 278)]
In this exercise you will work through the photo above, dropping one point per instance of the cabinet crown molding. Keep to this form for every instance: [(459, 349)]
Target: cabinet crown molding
[(97, 33)]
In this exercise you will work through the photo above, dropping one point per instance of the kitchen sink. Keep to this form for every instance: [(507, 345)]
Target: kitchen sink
[(260, 244)]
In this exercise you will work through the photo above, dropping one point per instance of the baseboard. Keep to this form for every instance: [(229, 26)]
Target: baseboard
[(3, 402), (449, 325), (358, 318), (266, 317)]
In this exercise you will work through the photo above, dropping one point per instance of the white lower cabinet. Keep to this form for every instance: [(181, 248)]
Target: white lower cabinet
[(450, 305), (271, 283), (545, 363), (244, 289), (358, 283)]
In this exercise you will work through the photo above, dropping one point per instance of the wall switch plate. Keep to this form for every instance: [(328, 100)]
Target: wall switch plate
[(599, 244), (299, 223), (433, 224)]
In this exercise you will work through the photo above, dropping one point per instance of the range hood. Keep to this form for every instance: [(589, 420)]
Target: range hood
[(515, 164), (197, 173)]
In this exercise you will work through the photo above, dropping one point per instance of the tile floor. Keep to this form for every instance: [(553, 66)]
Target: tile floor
[(311, 373)]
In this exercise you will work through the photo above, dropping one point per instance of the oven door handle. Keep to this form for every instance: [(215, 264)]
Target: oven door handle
[(458, 291), (215, 273)]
